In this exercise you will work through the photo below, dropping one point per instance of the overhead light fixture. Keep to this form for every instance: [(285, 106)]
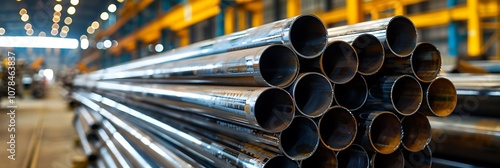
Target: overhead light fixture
[(104, 16), (58, 8), (95, 25), (56, 19), (57, 14), (83, 37), (74, 2), (25, 17), (65, 29), (99, 45), (68, 20), (158, 47), (54, 32), (63, 34), (112, 8), (23, 11), (42, 34), (120, 1), (2, 31), (55, 26), (107, 43), (90, 30), (84, 43), (27, 26), (58, 0), (71, 10), (38, 42), (29, 32)]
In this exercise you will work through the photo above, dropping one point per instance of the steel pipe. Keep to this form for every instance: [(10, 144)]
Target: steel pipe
[(352, 94), (369, 50), (272, 65), (398, 34), (440, 97), (267, 109), (322, 158), (401, 94), (424, 63), (313, 94), (379, 131), (116, 155), (105, 156), (416, 131), (337, 128), (394, 159), (88, 149), (418, 159), (300, 140), (353, 156)]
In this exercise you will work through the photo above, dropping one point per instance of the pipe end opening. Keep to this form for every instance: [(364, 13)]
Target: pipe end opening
[(353, 94), (426, 62), (354, 156), (339, 62), (442, 97), (401, 36), (313, 94), (279, 65), (308, 36), (417, 132), (406, 95), (300, 140), (281, 162), (274, 110), (385, 133), (337, 128), (370, 54)]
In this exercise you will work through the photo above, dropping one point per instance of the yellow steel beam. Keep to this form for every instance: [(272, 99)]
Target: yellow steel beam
[(355, 12), (184, 37), (399, 8), (229, 20), (242, 19), (474, 32), (198, 17), (292, 8), (332, 16)]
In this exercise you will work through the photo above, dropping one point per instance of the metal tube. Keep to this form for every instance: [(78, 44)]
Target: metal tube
[(88, 149), (440, 97), (417, 132), (337, 128), (469, 139), (352, 94), (272, 65), (379, 131), (394, 159), (353, 156), (418, 159), (322, 158), (397, 33), (105, 156), (300, 140), (313, 94), (339, 62), (401, 94), (268, 109), (369, 49), (424, 64), (117, 156)]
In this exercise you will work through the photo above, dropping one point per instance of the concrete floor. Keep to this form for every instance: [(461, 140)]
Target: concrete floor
[(45, 136)]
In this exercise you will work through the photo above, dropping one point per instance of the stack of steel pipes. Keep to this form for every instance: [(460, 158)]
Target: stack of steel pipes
[(286, 94)]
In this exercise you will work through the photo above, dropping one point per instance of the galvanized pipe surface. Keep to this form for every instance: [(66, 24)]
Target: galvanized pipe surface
[(105, 156), (312, 94), (354, 156), (272, 65), (379, 131), (394, 160), (440, 97), (369, 50), (268, 109), (322, 158), (419, 159), (88, 149), (353, 94), (397, 33), (117, 156), (417, 132), (337, 128)]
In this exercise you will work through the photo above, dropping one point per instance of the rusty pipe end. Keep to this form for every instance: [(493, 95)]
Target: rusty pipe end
[(322, 158), (440, 98), (300, 140), (308, 36), (406, 95), (395, 159), (420, 159), (417, 132), (401, 36), (339, 62), (278, 65), (313, 94), (353, 156), (426, 62), (384, 132), (337, 128), (274, 109), (353, 94), (280, 161), (370, 53)]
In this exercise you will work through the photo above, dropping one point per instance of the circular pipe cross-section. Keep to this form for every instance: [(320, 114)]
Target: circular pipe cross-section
[(322, 158), (440, 98), (426, 62), (339, 62), (274, 110), (395, 159), (313, 94), (337, 128), (300, 140), (353, 94), (417, 132), (308, 36), (401, 36), (380, 131), (370, 54), (406, 95), (278, 65), (280, 162), (353, 156), (420, 159)]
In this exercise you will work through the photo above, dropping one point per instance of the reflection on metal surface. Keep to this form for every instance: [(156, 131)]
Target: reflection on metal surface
[(440, 97), (416, 131)]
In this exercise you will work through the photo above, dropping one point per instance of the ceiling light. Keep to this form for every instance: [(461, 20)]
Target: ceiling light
[(25, 17), (54, 32), (63, 34), (55, 26), (68, 20), (112, 8), (29, 32), (56, 19), (65, 29), (58, 8), (95, 25), (71, 10), (57, 14), (158, 47), (2, 31), (99, 45), (90, 30), (84, 44), (42, 34), (74, 2), (83, 37), (107, 43), (27, 26), (23, 11), (58, 0), (120, 1), (104, 16)]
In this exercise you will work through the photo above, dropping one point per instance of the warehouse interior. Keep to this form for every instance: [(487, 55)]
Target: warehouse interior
[(250, 83)]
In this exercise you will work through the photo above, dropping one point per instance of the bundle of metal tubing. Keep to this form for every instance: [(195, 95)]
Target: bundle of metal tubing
[(286, 94)]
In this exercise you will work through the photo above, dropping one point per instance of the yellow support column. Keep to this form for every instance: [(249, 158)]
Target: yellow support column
[(399, 8), (229, 20), (292, 8), (258, 13), (374, 14), (354, 11), (242, 19), (184, 37), (474, 32)]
